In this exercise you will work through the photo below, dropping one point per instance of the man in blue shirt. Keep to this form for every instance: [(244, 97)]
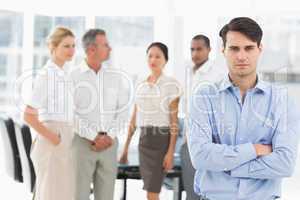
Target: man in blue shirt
[(244, 132)]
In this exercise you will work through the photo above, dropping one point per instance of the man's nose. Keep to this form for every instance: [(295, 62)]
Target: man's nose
[(193, 54), (242, 55)]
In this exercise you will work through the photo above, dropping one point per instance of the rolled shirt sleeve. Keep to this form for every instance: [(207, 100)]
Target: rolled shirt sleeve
[(281, 162), (39, 92)]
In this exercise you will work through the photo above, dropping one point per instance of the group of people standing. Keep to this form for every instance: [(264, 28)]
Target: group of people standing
[(237, 144)]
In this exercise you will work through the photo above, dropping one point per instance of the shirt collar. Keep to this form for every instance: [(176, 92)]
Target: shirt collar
[(161, 77), (226, 83), (261, 85), (53, 65), (205, 67), (59, 70), (84, 66)]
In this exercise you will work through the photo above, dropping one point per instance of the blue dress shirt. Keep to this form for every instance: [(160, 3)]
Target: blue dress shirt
[(222, 131)]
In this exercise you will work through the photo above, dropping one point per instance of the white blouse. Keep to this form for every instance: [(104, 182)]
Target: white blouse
[(51, 94), (153, 101)]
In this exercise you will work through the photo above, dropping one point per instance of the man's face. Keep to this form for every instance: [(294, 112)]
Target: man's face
[(241, 54), (101, 49), (199, 51)]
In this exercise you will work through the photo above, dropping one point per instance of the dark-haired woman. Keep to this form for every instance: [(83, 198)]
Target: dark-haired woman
[(155, 114)]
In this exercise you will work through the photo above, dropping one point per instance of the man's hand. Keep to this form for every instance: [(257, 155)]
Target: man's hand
[(262, 149), (101, 142)]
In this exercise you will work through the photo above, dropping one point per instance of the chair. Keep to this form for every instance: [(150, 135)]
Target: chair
[(24, 140), (7, 150), (27, 139), (10, 130)]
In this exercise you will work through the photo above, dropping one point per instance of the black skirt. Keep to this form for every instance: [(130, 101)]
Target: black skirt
[(153, 146)]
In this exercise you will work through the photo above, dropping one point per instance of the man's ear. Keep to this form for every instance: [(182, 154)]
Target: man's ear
[(260, 47), (92, 49), (223, 49)]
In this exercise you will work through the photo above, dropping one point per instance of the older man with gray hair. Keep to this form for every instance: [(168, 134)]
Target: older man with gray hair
[(101, 99)]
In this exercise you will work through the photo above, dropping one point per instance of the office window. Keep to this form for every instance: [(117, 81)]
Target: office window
[(127, 31), (281, 38), (3, 69), (11, 41), (129, 38)]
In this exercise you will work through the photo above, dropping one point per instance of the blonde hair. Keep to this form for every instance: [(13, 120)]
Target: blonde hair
[(56, 36)]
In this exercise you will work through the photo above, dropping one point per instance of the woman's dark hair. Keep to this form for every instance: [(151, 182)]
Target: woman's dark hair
[(161, 46), (244, 25)]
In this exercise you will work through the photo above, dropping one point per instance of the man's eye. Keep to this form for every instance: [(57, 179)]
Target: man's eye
[(234, 48), (249, 48)]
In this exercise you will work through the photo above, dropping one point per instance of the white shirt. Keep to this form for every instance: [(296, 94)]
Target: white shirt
[(50, 94), (101, 101), (208, 73), (153, 100)]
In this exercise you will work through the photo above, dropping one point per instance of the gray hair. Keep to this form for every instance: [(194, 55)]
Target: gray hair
[(89, 38)]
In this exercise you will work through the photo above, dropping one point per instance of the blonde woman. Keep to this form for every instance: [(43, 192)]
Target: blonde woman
[(155, 114), (47, 113)]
